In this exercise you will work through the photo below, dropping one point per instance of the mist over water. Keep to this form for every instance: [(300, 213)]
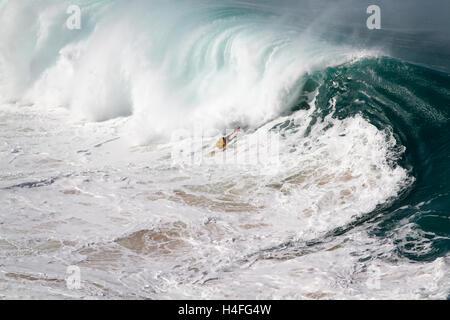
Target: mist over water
[(353, 204)]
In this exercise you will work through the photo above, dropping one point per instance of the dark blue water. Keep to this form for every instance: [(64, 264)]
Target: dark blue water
[(414, 103)]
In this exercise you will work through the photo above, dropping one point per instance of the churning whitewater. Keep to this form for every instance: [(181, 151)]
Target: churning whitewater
[(352, 204)]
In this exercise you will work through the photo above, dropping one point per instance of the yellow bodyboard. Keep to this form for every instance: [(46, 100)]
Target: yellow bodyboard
[(220, 144)]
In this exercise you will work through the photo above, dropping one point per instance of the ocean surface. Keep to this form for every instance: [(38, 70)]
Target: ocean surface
[(336, 188)]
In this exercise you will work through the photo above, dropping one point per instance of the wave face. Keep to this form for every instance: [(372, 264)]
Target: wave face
[(361, 182), (413, 103)]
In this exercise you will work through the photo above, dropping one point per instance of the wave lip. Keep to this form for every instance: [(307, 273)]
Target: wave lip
[(212, 65)]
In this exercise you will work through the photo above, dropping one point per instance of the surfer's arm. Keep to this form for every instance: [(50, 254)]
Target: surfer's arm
[(232, 135)]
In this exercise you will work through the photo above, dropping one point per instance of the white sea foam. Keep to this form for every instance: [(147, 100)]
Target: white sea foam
[(79, 196)]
